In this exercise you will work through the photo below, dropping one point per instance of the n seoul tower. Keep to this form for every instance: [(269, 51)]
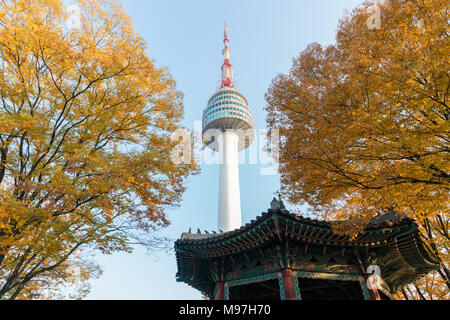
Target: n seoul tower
[(228, 112)]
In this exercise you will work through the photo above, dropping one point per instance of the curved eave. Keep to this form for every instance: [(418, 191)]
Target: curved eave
[(400, 239), (282, 224)]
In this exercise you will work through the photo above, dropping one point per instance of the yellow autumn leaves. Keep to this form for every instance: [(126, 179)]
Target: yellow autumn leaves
[(365, 123), (84, 159)]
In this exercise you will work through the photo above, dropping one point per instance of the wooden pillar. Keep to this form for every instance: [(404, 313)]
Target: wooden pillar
[(288, 283), (371, 286), (220, 294)]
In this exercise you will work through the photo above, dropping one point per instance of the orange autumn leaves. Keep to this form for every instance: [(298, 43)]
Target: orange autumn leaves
[(364, 123), (85, 125)]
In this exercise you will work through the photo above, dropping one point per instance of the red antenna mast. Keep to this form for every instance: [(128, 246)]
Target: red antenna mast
[(227, 68)]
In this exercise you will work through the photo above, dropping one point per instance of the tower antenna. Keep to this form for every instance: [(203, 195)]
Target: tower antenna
[(227, 68)]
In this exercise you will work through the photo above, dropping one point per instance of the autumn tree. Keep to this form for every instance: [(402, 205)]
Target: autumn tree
[(364, 124), (85, 126)]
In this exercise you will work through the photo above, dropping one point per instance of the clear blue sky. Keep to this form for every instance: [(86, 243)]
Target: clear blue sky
[(186, 36)]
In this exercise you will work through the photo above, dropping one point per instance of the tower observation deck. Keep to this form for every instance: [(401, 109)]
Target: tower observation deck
[(228, 127)]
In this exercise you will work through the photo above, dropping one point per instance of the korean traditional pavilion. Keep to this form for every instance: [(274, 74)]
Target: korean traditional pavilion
[(280, 255)]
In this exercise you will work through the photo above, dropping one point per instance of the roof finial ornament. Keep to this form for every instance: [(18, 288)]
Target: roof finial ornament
[(274, 204), (281, 201)]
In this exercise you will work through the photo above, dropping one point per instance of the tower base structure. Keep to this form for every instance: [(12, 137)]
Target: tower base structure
[(285, 256)]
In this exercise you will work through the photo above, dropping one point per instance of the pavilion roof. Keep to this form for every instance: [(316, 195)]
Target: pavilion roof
[(389, 234)]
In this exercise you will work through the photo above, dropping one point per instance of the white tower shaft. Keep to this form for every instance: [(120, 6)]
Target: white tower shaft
[(229, 195)]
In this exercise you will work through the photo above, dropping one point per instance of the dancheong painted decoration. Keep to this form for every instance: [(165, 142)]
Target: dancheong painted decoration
[(280, 255)]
